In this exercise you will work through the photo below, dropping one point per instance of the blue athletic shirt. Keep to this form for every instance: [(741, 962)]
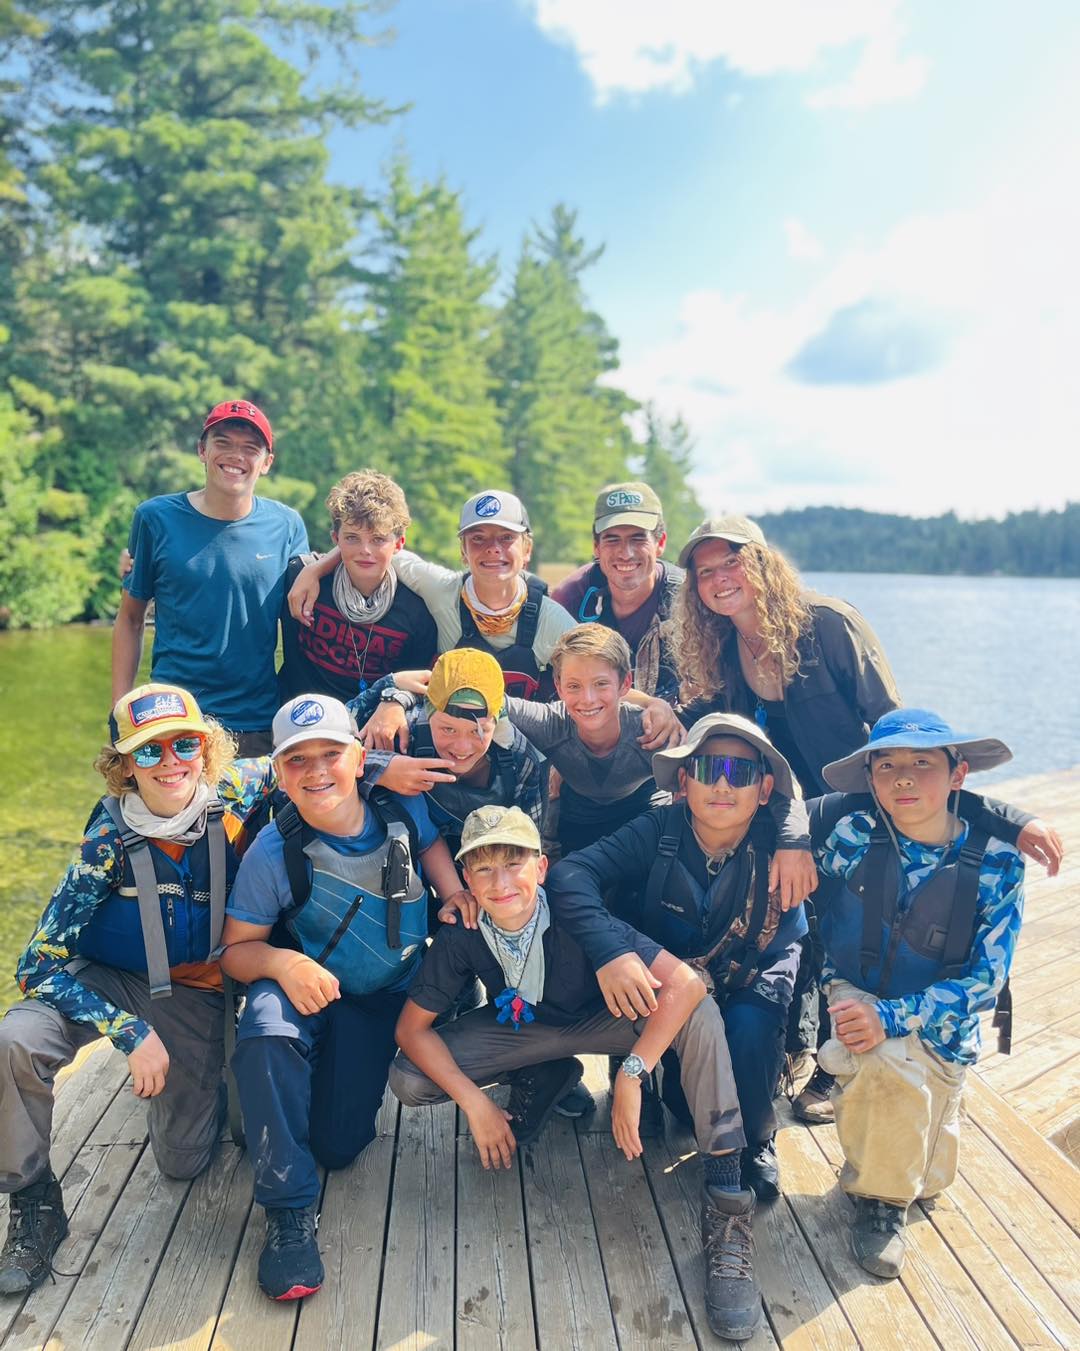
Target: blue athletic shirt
[(217, 588)]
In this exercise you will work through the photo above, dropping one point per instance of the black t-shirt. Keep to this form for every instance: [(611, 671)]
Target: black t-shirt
[(340, 658), (571, 992)]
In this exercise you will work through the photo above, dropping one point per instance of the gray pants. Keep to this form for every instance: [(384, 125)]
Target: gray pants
[(487, 1051), (36, 1042)]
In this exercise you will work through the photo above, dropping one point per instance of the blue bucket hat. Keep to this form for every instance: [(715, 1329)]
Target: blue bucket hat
[(913, 729)]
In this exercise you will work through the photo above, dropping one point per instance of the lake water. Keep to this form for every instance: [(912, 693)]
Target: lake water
[(994, 655)]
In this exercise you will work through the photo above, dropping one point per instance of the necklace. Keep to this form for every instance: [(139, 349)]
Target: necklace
[(764, 676), (361, 666), (713, 862)]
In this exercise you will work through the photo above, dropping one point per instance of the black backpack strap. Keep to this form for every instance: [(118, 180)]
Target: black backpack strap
[(961, 932), (403, 854), (216, 844), (872, 878), (136, 848), (529, 614), (672, 826), (1003, 1013), (291, 826), (505, 771), (470, 634)]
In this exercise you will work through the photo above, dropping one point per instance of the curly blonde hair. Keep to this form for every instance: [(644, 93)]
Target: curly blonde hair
[(368, 498), (700, 635), (219, 751)]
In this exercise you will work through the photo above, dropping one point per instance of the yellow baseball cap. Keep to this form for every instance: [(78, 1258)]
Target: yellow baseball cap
[(467, 671), (498, 825), (151, 711)]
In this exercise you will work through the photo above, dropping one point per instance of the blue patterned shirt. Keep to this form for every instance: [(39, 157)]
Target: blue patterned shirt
[(946, 1014)]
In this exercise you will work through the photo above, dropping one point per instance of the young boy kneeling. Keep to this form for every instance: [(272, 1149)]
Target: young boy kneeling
[(551, 1007), (325, 925), (918, 941)]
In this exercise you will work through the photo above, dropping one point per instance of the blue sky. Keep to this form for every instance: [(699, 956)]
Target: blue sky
[(841, 237)]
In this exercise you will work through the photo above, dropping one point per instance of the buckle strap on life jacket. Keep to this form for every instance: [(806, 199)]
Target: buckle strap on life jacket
[(1003, 1012), (671, 833)]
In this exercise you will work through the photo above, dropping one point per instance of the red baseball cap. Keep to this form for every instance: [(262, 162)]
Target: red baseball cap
[(240, 410)]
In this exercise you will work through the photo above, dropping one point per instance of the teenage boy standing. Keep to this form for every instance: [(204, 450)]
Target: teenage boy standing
[(213, 562)]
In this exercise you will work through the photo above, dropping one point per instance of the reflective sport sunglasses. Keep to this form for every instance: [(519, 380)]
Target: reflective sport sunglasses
[(150, 753), (710, 769)]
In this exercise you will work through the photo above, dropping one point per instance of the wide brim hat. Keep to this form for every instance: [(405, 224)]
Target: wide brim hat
[(913, 729), (498, 825), (666, 764), (735, 529), (152, 711)]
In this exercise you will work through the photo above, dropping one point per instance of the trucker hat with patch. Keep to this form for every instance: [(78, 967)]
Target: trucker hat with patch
[(151, 711), (627, 504), (241, 410), (312, 717), (493, 507)]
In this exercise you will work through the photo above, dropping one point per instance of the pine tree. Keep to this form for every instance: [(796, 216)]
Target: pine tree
[(566, 430), (435, 423), (666, 461)]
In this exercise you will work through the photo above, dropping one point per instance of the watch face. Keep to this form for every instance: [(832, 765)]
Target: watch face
[(633, 1066)]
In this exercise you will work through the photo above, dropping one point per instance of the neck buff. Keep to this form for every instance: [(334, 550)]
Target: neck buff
[(355, 606), (492, 623), (186, 827), (521, 954)]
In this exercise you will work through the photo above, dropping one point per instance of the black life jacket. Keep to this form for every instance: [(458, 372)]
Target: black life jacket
[(722, 929), (521, 670)]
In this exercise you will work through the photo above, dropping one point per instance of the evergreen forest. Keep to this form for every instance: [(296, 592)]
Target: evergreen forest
[(170, 236)]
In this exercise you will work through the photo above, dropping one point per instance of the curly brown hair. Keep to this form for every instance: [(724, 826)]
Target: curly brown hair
[(700, 636), (219, 751), (368, 498)]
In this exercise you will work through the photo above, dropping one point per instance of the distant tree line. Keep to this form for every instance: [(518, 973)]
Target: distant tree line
[(169, 237), (837, 539)]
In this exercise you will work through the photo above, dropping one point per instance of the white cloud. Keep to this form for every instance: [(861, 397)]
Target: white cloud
[(801, 243), (994, 427), (635, 46)]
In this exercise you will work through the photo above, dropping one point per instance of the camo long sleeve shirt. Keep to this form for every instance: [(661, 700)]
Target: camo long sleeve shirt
[(946, 1014), (97, 870)]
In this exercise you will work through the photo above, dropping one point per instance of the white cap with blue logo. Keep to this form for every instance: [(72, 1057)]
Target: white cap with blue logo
[(312, 717), (493, 507)]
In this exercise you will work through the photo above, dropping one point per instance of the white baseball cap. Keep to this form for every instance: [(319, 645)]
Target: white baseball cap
[(492, 507), (312, 717)]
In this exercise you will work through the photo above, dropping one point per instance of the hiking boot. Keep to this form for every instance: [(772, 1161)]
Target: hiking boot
[(289, 1265), (814, 1105), (877, 1236), (732, 1296), (534, 1091), (36, 1227), (577, 1103), (761, 1171)]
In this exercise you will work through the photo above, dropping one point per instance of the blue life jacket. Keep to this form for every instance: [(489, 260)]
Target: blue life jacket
[(174, 920), (891, 954), (362, 916)]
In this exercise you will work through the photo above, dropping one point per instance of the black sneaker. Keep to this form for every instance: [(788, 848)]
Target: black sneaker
[(761, 1171), (732, 1295), (577, 1103), (877, 1236), (36, 1227), (534, 1091), (289, 1265)]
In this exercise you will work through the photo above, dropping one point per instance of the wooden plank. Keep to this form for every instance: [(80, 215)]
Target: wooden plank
[(417, 1305), (248, 1319), (91, 1187), (643, 1290), (182, 1309), (1034, 1315), (109, 1296), (124, 1120), (494, 1295), (674, 1172), (824, 1214), (1035, 1058), (82, 1099), (572, 1307), (1051, 1103), (1054, 1178), (941, 1289), (352, 1227)]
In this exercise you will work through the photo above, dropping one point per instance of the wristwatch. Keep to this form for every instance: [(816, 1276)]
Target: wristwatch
[(392, 695), (633, 1067)]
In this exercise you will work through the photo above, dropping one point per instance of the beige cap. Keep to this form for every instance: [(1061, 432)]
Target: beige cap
[(735, 529), (666, 764), (498, 825), (627, 504)]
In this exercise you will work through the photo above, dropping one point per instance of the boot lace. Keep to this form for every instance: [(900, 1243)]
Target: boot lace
[(290, 1228), (24, 1235), (729, 1248)]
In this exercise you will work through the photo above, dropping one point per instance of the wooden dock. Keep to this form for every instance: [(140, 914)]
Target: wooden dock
[(574, 1247)]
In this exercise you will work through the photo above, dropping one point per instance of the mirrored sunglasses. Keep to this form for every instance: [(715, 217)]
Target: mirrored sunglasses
[(736, 769), (150, 753)]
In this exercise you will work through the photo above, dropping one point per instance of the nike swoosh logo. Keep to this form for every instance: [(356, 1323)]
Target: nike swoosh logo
[(260, 557)]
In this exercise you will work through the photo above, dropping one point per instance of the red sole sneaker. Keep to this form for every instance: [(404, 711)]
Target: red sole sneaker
[(298, 1292)]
